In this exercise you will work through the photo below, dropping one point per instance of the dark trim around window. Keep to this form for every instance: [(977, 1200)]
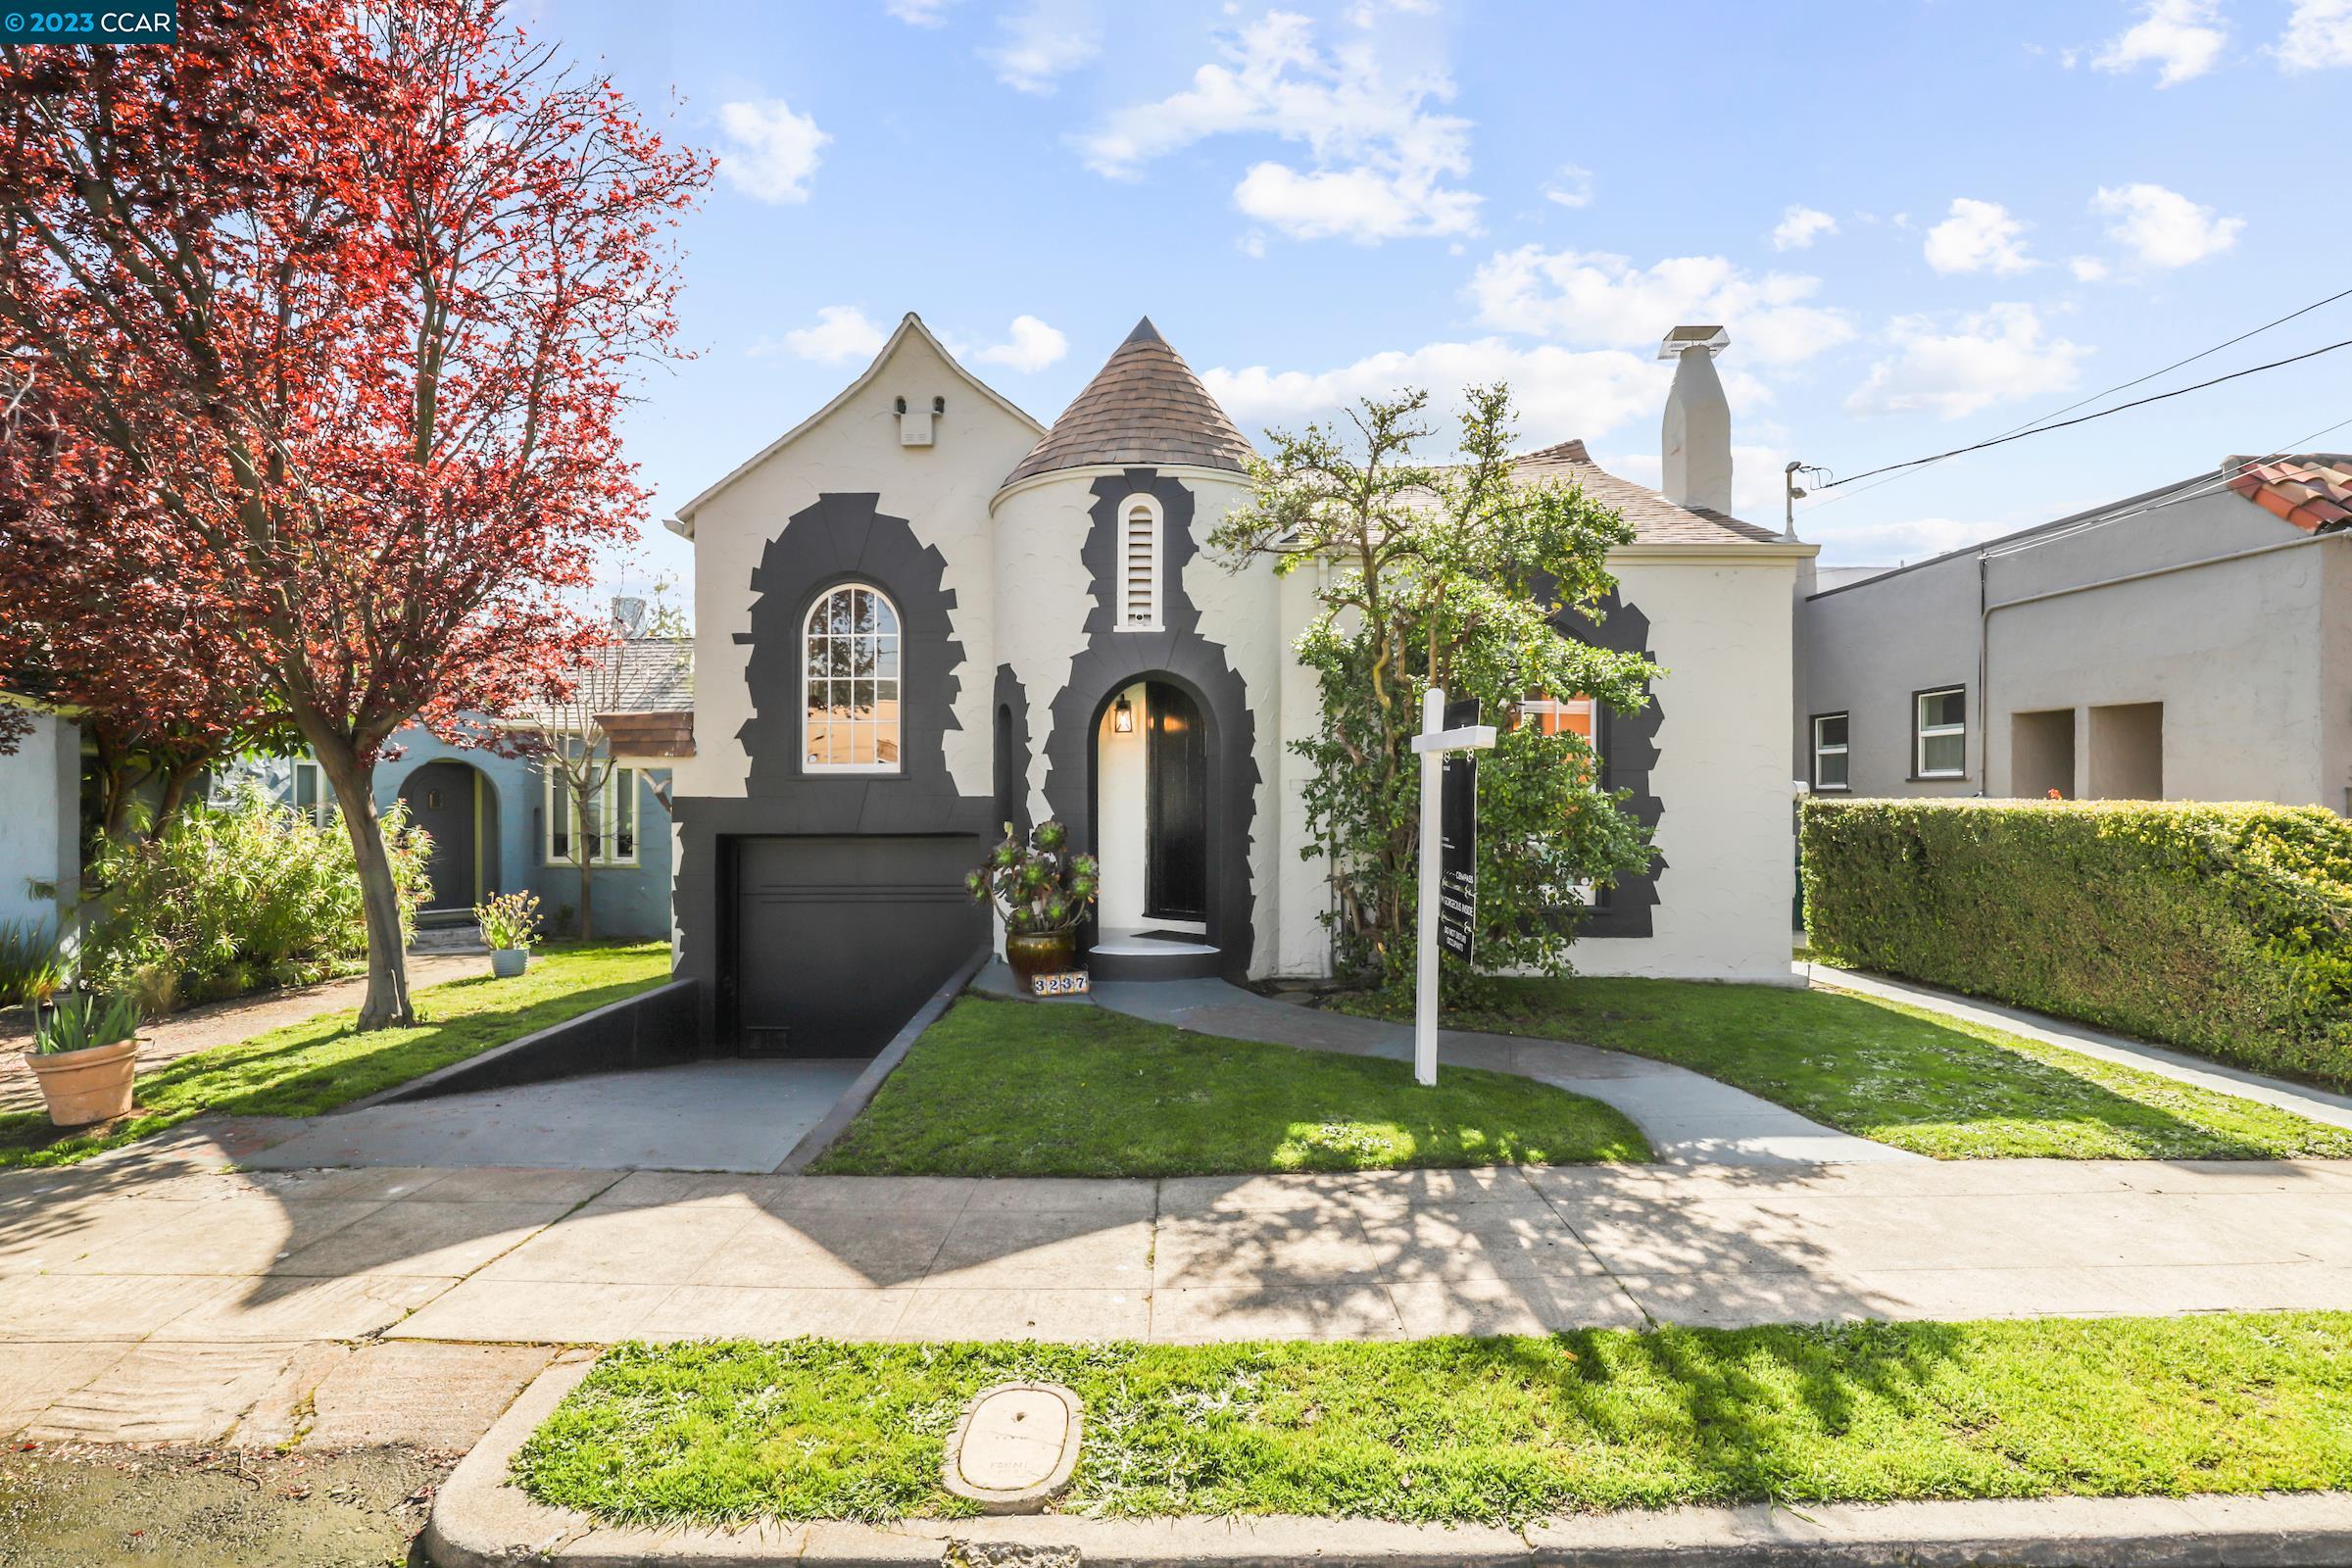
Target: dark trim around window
[(1914, 775), (1813, 753)]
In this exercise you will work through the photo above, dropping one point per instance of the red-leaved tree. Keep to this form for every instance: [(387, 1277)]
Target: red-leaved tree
[(345, 300)]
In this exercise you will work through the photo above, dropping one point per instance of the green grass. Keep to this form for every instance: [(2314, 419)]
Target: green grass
[(1025, 1089), (1903, 1075), (1493, 1430), (307, 1068)]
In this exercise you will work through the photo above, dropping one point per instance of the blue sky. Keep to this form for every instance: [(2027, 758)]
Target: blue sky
[(1923, 223)]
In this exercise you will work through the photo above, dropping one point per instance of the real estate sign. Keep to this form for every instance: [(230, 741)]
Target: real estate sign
[(1458, 842)]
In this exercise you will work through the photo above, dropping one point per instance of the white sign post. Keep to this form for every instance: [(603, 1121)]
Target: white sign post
[(1433, 742)]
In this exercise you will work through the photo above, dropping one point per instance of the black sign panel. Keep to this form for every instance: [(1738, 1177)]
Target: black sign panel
[(1457, 846)]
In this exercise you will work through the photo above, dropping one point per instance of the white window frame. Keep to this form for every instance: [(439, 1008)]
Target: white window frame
[(323, 798), (1156, 565), (1922, 732), (620, 784), (897, 636), (1845, 750)]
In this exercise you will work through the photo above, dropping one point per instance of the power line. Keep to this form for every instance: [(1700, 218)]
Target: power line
[(2195, 489), (2120, 408), (2122, 386)]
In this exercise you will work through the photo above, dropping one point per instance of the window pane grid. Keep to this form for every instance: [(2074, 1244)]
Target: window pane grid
[(850, 671)]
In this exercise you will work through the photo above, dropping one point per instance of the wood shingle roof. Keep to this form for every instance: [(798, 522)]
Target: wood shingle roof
[(1145, 407)]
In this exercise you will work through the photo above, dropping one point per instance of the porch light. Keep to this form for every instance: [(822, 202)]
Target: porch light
[(1122, 715)]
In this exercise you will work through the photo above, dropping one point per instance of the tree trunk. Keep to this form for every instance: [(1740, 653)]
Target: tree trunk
[(585, 854), (387, 1004)]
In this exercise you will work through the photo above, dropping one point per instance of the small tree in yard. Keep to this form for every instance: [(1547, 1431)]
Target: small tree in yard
[(1446, 576), (342, 300)]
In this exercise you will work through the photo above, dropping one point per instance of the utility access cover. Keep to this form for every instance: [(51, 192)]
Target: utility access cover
[(1015, 1447)]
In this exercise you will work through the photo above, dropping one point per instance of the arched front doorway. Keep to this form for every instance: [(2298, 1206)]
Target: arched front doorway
[(1155, 826), (458, 804)]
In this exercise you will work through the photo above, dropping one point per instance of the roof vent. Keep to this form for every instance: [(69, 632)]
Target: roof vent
[(914, 425), (1683, 339)]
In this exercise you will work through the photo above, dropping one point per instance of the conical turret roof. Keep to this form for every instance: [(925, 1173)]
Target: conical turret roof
[(1145, 407)]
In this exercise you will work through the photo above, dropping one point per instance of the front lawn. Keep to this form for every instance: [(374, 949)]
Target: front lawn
[(1029, 1089), (1903, 1075), (310, 1067), (1498, 1430)]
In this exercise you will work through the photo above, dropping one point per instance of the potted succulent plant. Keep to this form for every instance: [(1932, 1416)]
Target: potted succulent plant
[(509, 925), (1043, 892), (85, 1055)]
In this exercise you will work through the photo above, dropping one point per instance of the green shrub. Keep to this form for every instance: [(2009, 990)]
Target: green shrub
[(2225, 929), (237, 896), (32, 963)]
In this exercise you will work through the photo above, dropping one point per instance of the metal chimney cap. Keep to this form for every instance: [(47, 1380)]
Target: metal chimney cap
[(1683, 339)]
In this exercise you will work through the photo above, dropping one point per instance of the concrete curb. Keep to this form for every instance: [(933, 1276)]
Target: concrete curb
[(855, 1098), (478, 1521)]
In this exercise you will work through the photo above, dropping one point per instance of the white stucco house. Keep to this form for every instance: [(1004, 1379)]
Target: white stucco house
[(922, 614)]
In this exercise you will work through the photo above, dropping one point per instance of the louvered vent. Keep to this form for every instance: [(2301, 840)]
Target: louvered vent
[(1139, 600)]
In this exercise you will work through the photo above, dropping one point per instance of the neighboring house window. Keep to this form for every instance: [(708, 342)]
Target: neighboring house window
[(850, 682), (1940, 749), (312, 797), (1138, 564), (1829, 752), (609, 830)]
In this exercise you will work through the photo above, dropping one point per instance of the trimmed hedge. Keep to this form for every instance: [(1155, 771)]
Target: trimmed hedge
[(2224, 929)]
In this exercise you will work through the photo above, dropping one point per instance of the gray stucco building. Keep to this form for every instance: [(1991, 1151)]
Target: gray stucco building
[(2190, 643)]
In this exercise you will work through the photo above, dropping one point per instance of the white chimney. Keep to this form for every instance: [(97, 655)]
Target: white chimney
[(1695, 440)]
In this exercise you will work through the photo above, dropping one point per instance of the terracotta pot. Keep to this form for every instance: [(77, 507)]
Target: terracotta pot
[(507, 962), (86, 1086), (1038, 953)]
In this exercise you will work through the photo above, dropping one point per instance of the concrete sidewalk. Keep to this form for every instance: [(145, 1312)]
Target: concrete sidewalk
[(1689, 1118), (166, 1291), (2315, 1104)]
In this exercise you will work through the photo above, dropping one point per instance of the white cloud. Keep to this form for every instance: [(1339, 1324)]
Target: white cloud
[(771, 152), (842, 334), (1559, 392), (1800, 227), (1029, 345), (2087, 269), (1881, 544), (1996, 356), (2181, 38), (2319, 34), (1572, 186), (922, 12), (1384, 161), (1049, 38), (1601, 299), (1361, 204), (1978, 236), (2163, 228)]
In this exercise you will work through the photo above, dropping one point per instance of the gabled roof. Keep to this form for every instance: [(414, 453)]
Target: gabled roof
[(682, 520), (2313, 491), (1145, 407), (1656, 521)]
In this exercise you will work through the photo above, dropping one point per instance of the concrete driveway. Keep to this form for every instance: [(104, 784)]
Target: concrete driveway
[(729, 1115)]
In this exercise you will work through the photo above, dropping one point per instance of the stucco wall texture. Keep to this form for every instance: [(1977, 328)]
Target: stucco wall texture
[(41, 822), (2247, 646)]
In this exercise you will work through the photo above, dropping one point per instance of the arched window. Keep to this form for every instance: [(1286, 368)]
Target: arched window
[(850, 682), (1138, 564)]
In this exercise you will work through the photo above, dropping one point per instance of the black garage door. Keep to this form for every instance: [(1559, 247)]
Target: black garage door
[(838, 939)]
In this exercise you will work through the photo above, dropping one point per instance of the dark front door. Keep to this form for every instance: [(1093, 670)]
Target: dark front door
[(839, 939), (1175, 806), (439, 796)]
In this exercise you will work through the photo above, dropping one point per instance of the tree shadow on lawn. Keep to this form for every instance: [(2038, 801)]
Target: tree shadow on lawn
[(318, 1068), (1903, 1076)]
